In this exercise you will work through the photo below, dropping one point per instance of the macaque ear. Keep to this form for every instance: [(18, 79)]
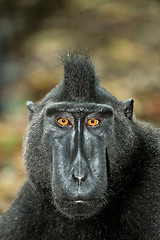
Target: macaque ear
[(30, 106), (128, 108)]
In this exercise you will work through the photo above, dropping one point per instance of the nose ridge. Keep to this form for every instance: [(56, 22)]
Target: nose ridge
[(79, 170)]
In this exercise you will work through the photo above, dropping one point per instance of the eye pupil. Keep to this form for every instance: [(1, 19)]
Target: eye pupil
[(92, 121), (63, 120)]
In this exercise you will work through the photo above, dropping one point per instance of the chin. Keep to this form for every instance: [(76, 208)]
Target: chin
[(79, 209)]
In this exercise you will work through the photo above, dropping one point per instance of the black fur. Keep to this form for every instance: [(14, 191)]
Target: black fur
[(131, 193)]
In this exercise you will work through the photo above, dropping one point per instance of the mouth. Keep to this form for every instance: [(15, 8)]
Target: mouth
[(79, 209)]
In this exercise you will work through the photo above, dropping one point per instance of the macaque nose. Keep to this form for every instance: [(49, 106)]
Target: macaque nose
[(79, 178)]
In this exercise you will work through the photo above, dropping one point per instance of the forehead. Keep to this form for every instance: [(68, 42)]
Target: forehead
[(72, 107)]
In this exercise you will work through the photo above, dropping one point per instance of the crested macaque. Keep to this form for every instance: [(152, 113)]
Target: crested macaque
[(93, 169)]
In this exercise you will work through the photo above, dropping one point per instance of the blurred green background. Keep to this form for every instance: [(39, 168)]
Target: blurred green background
[(122, 37)]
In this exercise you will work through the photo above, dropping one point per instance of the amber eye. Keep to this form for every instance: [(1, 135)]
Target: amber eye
[(93, 122), (63, 121)]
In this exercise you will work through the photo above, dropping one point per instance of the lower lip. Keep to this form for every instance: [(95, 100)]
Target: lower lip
[(79, 208)]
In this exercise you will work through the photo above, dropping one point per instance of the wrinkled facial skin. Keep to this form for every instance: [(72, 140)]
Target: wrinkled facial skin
[(78, 138)]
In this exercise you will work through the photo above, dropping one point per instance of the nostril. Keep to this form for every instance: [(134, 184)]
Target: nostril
[(75, 178), (79, 179), (84, 178)]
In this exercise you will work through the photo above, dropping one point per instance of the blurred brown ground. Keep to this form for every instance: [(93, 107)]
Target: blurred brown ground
[(122, 37)]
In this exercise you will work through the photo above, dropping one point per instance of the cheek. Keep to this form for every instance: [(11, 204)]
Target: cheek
[(38, 165)]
